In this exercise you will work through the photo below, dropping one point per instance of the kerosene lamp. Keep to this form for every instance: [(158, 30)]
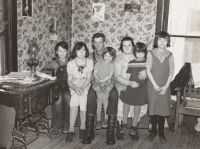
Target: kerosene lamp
[(33, 61)]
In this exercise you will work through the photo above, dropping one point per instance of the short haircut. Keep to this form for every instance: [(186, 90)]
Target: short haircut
[(109, 50), (161, 34), (62, 44), (98, 35), (140, 47), (79, 45), (127, 38)]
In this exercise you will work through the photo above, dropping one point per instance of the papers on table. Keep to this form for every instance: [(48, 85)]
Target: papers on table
[(25, 77), (44, 75)]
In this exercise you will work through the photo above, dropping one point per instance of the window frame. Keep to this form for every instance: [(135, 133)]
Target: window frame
[(162, 19), (10, 35), (11, 52), (163, 7)]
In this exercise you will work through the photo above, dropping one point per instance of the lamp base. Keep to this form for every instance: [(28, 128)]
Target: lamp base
[(32, 63)]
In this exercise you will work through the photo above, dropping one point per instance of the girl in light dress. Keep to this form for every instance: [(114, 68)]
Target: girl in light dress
[(103, 73), (79, 75)]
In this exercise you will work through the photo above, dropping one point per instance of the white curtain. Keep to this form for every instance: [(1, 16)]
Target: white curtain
[(184, 19)]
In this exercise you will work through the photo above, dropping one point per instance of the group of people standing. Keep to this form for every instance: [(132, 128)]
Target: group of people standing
[(133, 77)]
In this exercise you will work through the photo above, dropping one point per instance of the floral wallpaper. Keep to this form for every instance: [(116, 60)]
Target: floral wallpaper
[(74, 23), (36, 28), (117, 24)]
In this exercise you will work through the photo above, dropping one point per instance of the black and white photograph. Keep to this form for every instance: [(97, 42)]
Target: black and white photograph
[(131, 7), (52, 25), (98, 11), (27, 8), (99, 74)]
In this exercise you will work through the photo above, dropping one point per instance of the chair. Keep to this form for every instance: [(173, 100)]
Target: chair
[(188, 104), (7, 120)]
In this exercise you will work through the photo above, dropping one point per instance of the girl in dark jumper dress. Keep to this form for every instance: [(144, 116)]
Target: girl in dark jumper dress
[(135, 96), (160, 70)]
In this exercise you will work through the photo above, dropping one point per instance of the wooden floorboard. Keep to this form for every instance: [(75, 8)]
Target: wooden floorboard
[(175, 141)]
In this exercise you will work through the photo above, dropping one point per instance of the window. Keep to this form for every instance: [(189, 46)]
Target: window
[(184, 18), (3, 24), (8, 36), (184, 29)]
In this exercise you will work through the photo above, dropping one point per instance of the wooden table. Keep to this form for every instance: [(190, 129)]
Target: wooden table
[(29, 101)]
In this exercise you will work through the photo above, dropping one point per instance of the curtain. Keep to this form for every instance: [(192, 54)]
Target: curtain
[(8, 36), (2, 55), (162, 15), (2, 38)]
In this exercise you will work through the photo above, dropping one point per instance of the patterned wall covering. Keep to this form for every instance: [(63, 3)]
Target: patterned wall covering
[(117, 23), (36, 28)]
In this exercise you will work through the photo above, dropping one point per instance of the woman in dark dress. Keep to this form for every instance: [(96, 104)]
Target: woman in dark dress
[(135, 96)]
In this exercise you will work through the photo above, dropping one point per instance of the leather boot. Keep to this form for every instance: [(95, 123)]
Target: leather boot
[(153, 132), (161, 123), (150, 125), (120, 135), (89, 133), (134, 133), (110, 136), (118, 130)]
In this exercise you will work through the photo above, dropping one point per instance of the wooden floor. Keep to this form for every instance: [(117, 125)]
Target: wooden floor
[(175, 141), (181, 140)]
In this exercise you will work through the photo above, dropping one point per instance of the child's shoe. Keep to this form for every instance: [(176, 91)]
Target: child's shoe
[(121, 129), (134, 133), (70, 136), (81, 133), (98, 125), (64, 131), (105, 124), (152, 136), (163, 139)]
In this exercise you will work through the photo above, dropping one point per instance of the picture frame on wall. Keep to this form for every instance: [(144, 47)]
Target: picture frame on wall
[(132, 7), (98, 11), (52, 25), (52, 28), (27, 8)]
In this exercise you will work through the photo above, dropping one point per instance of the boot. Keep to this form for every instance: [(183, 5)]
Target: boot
[(121, 130), (153, 132), (70, 136), (110, 136), (161, 122), (89, 133), (150, 125), (134, 132), (118, 136), (81, 133)]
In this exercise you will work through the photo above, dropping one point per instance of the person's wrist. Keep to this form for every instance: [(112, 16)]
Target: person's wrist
[(81, 88), (75, 88), (129, 83)]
